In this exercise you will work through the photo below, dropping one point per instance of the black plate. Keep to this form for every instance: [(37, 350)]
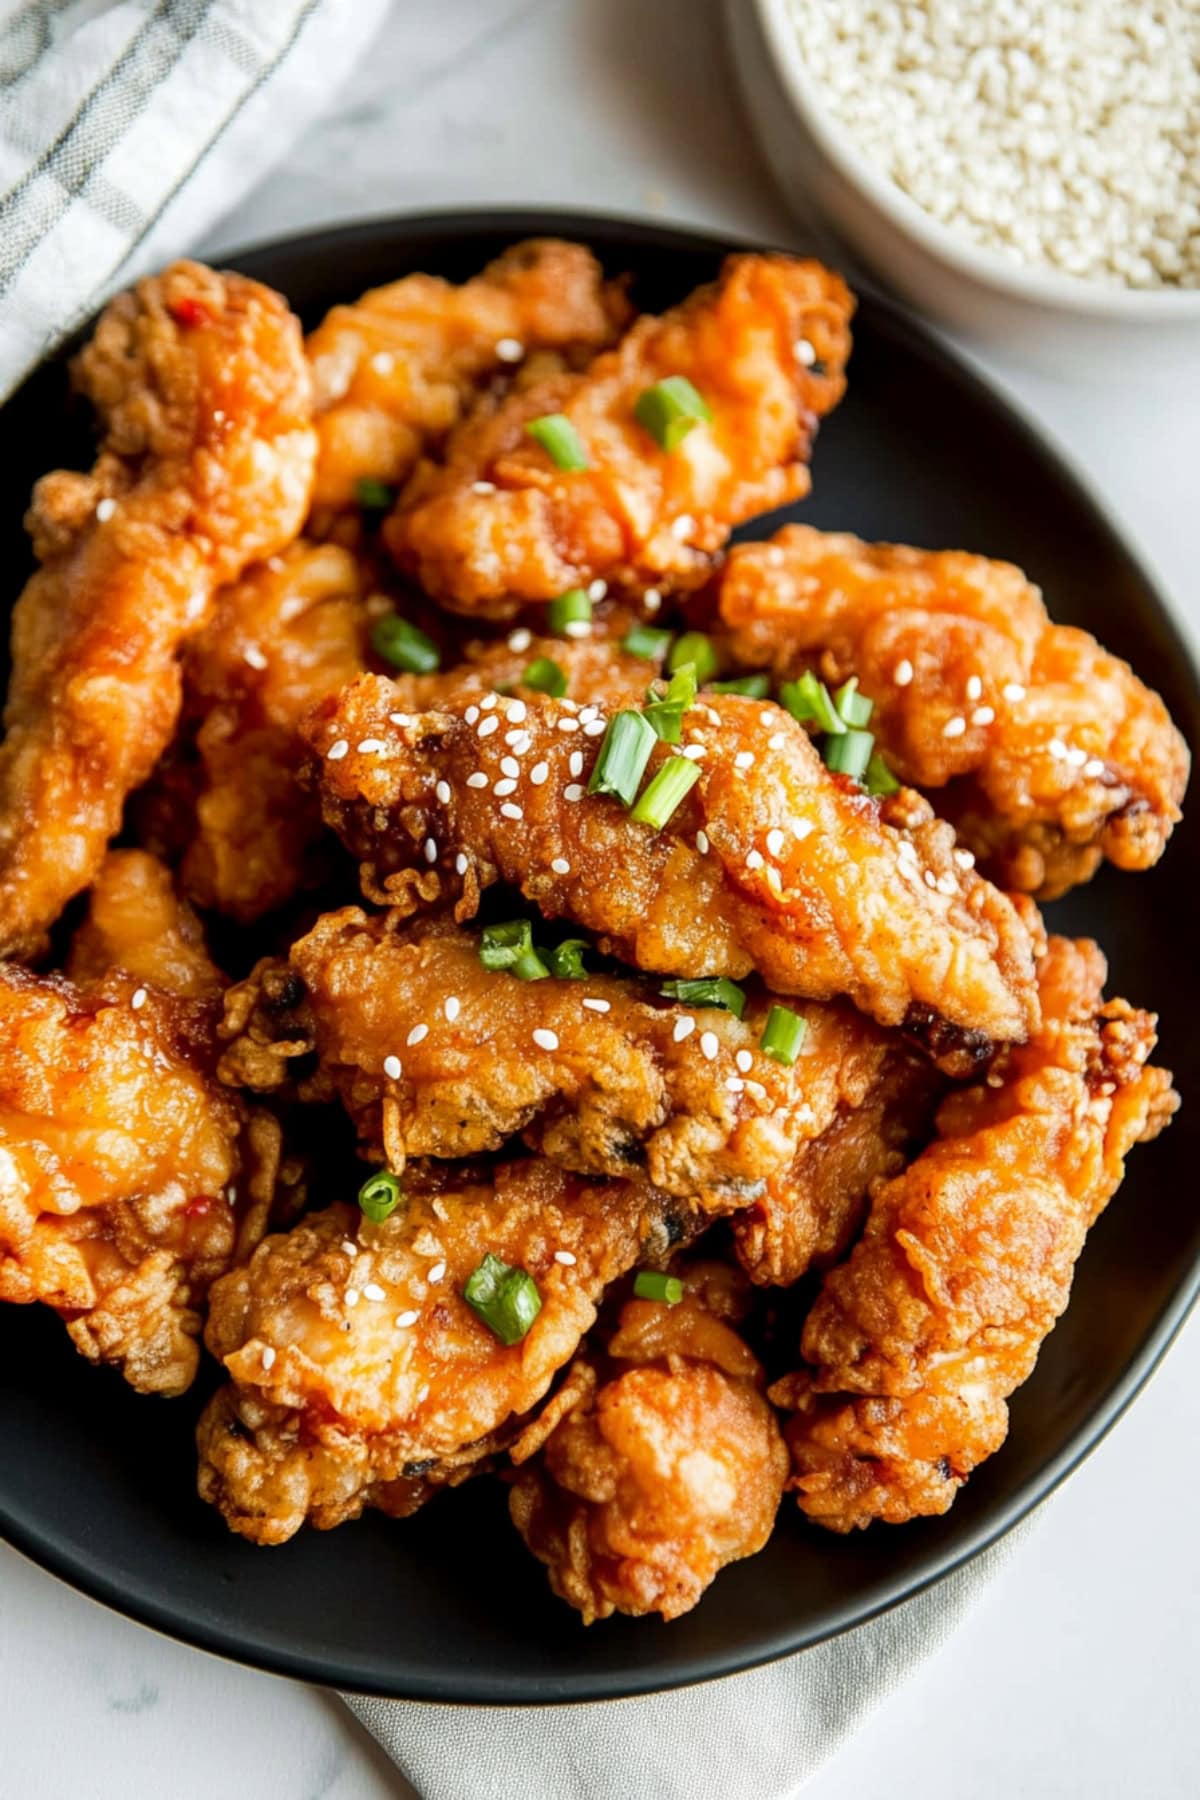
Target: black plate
[(98, 1485)]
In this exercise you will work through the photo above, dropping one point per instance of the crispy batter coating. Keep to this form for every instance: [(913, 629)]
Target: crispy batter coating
[(965, 1265), (201, 387), (434, 1055), (1052, 753), (670, 1466), (796, 872), (394, 372), (137, 924), (359, 1365), (637, 515)]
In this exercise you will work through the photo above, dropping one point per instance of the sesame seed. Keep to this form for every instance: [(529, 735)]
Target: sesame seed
[(417, 1035), (1057, 749), (545, 1040), (588, 712), (511, 811), (351, 1296), (105, 510), (197, 603), (766, 718), (383, 362), (694, 752), (757, 1089), (777, 740), (435, 1274), (595, 728), (573, 791), (442, 790), (702, 842), (965, 859), (461, 863), (930, 879), (571, 706), (744, 759), (509, 766), (805, 353), (405, 1319), (561, 866), (902, 674), (974, 688), (373, 1291), (983, 715), (578, 628), (565, 1257), (138, 999), (477, 780), (509, 349), (735, 1084), (598, 1006), (706, 712), (684, 1028), (1013, 690), (744, 1061), (488, 725), (400, 719), (520, 639), (517, 711), (946, 884), (683, 527), (349, 1247), (1093, 767), (651, 600), (597, 589), (392, 1067), (518, 741), (907, 850), (568, 724), (775, 840), (1077, 757), (489, 703), (754, 859), (708, 1044), (371, 747), (471, 714), (452, 1007), (954, 727), (430, 850), (802, 828), (268, 1356), (254, 657), (539, 773), (336, 751), (483, 488), (773, 880)]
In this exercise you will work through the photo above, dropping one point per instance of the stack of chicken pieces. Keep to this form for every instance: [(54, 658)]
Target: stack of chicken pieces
[(316, 841)]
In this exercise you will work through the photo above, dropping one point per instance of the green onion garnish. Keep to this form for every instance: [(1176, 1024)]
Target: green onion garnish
[(755, 687), (852, 706), (879, 779), (669, 410), (710, 990), (565, 960), (663, 794), (374, 496), (783, 1035), (665, 711), (647, 641), (850, 753), (809, 703), (506, 1299), (623, 756), (379, 1196), (560, 440), (545, 676), (648, 1284), (571, 608), (694, 647), (404, 645), (510, 946)]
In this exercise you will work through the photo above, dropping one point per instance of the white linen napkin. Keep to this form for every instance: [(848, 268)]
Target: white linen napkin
[(127, 127)]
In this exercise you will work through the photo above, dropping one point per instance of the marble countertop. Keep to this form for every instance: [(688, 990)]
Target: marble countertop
[(1073, 1674)]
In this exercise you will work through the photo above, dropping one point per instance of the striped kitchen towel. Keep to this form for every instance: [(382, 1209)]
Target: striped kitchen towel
[(128, 126)]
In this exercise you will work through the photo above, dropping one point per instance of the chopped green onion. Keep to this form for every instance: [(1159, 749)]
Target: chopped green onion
[(709, 990), (879, 779), (850, 753), (529, 967), (647, 641), (571, 608), (379, 1196), (663, 794), (565, 960), (545, 676), (852, 706), (665, 711), (756, 687), (809, 703), (783, 1035), (374, 496), (404, 645), (694, 647), (560, 440), (510, 946), (623, 756), (505, 1298), (669, 410), (648, 1284)]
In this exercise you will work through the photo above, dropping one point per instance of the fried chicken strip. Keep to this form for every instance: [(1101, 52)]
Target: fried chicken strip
[(358, 1365), (1048, 753), (498, 523), (394, 372), (201, 388), (670, 1466), (434, 1055), (792, 870), (129, 1179), (916, 1342)]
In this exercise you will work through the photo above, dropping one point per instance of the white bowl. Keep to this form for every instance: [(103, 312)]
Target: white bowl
[(829, 183)]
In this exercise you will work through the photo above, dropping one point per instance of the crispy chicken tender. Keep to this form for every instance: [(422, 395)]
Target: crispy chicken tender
[(1051, 752), (200, 384), (796, 872), (434, 1055), (357, 1363), (670, 1466), (637, 515), (129, 1179), (394, 372), (916, 1342)]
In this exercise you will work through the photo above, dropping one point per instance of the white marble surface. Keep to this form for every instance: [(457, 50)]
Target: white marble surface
[(1075, 1675)]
